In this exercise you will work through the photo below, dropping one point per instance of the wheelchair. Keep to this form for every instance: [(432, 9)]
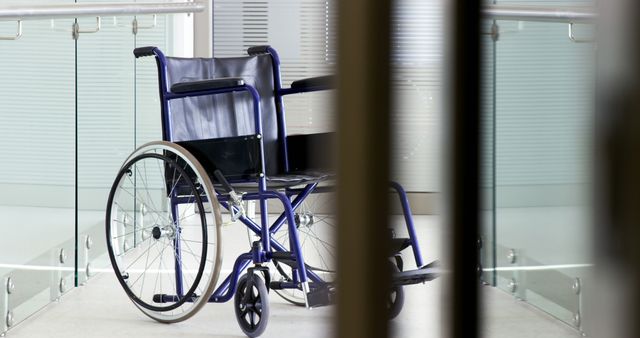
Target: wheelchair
[(225, 143)]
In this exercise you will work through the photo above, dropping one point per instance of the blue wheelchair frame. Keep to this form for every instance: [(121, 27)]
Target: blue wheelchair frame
[(291, 199)]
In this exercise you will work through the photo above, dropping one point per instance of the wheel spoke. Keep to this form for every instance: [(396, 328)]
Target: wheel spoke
[(144, 163), (132, 232), (158, 215), (320, 254), (252, 321), (137, 259), (146, 264), (145, 269), (145, 197)]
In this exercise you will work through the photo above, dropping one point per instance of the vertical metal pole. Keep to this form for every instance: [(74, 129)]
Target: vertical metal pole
[(363, 101), (177, 251), (462, 202)]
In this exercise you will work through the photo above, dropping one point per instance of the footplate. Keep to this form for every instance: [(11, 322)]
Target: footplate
[(164, 298), (398, 244), (426, 273), (322, 296)]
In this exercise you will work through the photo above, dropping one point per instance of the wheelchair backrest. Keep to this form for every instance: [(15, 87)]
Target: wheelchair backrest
[(230, 114)]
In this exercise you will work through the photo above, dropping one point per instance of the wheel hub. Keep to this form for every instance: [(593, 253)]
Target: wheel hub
[(158, 232), (305, 219)]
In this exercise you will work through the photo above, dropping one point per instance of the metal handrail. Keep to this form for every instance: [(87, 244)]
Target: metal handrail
[(540, 13), (23, 12)]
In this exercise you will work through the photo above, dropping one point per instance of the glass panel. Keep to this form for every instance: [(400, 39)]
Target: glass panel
[(417, 63), (37, 178), (105, 128), (148, 118), (543, 118)]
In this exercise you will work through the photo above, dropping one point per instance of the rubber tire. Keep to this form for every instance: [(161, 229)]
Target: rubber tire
[(169, 317), (203, 223), (263, 295), (395, 305)]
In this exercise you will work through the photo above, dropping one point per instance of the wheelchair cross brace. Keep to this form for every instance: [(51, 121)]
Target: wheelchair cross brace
[(225, 290), (301, 194)]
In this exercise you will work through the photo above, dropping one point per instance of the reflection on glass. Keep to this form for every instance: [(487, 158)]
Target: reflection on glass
[(105, 127), (147, 104), (37, 178), (539, 148)]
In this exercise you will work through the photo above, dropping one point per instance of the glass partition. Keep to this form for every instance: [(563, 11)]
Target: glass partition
[(537, 149), (147, 104), (105, 85), (37, 178), (72, 112)]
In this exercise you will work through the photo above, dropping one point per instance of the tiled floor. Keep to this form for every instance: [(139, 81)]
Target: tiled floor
[(101, 309), (505, 317)]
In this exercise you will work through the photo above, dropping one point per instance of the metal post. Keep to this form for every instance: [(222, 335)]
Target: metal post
[(363, 101), (463, 140)]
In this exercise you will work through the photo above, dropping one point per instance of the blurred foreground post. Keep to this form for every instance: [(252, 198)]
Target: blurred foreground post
[(363, 100), (616, 304), (462, 185)]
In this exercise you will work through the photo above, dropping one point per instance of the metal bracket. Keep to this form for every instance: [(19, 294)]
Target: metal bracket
[(136, 27), (6, 316), (577, 40), (77, 31), (495, 31), (265, 273), (236, 206), (14, 37)]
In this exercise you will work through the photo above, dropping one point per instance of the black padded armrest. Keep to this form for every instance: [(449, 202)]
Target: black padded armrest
[(320, 81), (255, 50), (144, 51), (194, 86)]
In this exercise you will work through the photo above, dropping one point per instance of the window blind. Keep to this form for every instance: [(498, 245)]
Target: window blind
[(544, 106), (304, 33)]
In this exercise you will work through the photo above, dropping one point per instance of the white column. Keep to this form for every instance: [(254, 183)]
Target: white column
[(203, 31)]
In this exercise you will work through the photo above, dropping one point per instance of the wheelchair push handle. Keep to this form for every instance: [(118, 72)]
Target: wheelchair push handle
[(144, 51)]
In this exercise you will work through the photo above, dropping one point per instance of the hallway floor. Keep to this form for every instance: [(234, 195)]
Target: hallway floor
[(101, 309)]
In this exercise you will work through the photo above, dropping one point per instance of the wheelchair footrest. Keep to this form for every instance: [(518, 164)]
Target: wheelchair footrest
[(322, 296), (399, 244), (426, 273), (163, 298), (285, 257)]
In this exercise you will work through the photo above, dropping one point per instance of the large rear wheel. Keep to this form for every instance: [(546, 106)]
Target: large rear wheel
[(164, 247)]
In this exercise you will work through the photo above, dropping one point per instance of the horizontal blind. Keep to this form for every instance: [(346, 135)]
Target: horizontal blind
[(148, 117), (105, 102), (544, 103), (304, 33), (487, 105), (417, 49), (37, 114)]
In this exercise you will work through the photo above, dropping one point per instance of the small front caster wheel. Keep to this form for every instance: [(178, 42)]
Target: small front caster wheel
[(252, 305), (395, 298)]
